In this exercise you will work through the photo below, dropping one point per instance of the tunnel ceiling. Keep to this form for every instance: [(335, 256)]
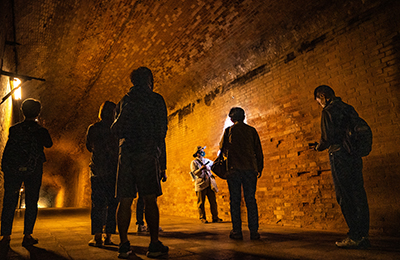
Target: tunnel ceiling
[(85, 50)]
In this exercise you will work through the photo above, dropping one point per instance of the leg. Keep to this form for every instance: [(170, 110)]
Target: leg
[(152, 216), (32, 189), (213, 203), (139, 211), (10, 200), (97, 213), (249, 191), (235, 192), (112, 204), (350, 193), (201, 198), (124, 218)]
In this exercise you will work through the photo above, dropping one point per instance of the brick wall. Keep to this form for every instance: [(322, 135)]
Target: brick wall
[(6, 63), (208, 56), (358, 57)]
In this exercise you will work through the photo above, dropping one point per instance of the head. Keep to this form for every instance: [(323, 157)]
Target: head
[(142, 77), (106, 111), (31, 108), (237, 114), (323, 95), (199, 151)]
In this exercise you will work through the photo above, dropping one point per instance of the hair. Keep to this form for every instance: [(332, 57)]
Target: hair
[(142, 77), (107, 110), (324, 89), (31, 108), (237, 114)]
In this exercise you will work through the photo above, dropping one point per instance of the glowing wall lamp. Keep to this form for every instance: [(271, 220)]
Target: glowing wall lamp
[(14, 76), (15, 83)]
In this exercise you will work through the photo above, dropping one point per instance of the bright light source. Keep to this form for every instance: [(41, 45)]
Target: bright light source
[(17, 93), (228, 122)]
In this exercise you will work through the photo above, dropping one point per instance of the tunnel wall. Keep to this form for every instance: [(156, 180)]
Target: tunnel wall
[(6, 64), (245, 58), (359, 58)]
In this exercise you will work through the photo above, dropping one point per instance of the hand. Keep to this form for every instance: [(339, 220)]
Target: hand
[(313, 146), (163, 176), (259, 175)]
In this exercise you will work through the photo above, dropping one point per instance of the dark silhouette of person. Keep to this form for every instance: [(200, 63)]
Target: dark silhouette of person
[(22, 162), (141, 126), (245, 162), (346, 168), (103, 168), (200, 168), (141, 227)]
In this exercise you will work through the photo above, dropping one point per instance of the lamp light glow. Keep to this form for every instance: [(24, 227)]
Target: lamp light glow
[(17, 95)]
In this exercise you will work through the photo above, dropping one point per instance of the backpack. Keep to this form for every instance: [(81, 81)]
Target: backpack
[(22, 152), (358, 137)]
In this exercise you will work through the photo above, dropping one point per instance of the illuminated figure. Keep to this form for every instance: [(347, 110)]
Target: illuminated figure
[(346, 168), (141, 126), (103, 168), (22, 162), (245, 162), (201, 172)]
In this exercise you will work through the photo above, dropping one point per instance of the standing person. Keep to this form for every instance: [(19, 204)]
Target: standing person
[(22, 162), (200, 168), (103, 168), (141, 127), (346, 168), (245, 161)]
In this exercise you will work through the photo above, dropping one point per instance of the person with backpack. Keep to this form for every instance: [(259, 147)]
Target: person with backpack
[(202, 177), (22, 162), (337, 128)]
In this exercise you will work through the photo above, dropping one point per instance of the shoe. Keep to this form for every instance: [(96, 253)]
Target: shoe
[(157, 250), (96, 243), (142, 228), (349, 243), (204, 221), (124, 250), (217, 220), (254, 235), (236, 235), (29, 241)]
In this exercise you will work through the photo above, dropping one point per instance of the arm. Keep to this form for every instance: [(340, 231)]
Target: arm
[(163, 133), (259, 154), (45, 138), (223, 143), (327, 132), (196, 169)]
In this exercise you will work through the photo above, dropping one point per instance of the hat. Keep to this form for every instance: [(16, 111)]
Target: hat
[(198, 149)]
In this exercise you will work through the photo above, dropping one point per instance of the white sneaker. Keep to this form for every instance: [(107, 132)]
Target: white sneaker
[(141, 228)]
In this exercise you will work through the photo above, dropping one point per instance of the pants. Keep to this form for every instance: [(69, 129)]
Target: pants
[(104, 205), (247, 180), (12, 186), (350, 193), (201, 199)]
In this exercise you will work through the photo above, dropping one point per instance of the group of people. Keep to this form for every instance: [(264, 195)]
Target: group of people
[(129, 158)]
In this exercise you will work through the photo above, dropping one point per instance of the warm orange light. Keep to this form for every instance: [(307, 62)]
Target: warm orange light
[(14, 84)]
